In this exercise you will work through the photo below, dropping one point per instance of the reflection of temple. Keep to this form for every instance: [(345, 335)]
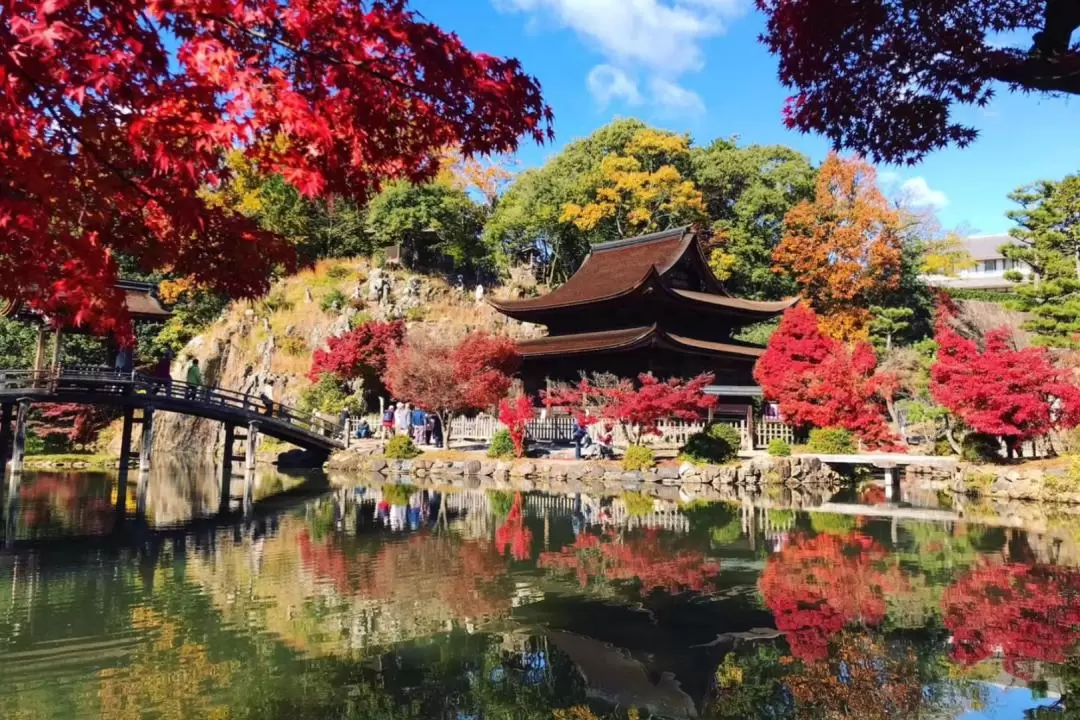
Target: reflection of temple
[(646, 304)]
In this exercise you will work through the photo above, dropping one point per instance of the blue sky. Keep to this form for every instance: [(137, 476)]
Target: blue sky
[(696, 66)]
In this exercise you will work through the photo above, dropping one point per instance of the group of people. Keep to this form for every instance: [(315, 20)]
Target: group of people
[(586, 447), (412, 421)]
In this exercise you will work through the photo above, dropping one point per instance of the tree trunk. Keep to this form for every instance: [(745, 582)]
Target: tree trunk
[(444, 419), (949, 436), (894, 416)]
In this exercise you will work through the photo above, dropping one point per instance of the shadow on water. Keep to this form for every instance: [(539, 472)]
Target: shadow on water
[(433, 601)]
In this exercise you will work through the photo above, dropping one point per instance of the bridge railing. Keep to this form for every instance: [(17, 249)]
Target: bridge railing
[(110, 382)]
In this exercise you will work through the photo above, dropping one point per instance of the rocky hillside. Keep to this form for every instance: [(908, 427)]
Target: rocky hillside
[(272, 339)]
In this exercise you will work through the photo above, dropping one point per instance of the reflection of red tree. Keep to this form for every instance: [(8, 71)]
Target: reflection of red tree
[(648, 558), (66, 500), (1031, 613), (513, 533), (873, 495), (462, 575), (818, 585)]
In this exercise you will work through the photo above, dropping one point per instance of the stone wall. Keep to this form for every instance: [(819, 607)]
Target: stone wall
[(790, 471), (1031, 483)]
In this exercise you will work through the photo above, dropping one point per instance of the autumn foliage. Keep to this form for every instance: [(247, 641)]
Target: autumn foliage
[(822, 382), (648, 558), (69, 423), (638, 409), (844, 247), (116, 114), (819, 585), (516, 414), (513, 535), (1030, 613), (359, 353), (880, 78), (997, 389), (452, 378)]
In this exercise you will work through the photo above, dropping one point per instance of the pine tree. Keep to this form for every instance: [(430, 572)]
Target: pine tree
[(1048, 240)]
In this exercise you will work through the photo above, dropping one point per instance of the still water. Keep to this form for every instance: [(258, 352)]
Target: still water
[(463, 604)]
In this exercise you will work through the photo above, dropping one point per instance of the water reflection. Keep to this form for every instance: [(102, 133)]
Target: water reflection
[(440, 602)]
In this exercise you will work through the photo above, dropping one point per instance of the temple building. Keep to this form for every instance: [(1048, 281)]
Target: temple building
[(644, 304)]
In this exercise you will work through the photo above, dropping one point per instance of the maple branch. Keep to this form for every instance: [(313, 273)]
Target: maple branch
[(327, 58)]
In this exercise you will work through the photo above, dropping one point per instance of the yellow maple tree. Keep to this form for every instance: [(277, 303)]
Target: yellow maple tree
[(642, 189)]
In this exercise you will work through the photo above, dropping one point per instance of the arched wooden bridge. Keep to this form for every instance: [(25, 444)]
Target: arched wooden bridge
[(19, 389)]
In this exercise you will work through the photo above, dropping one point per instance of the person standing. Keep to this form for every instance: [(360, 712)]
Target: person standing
[(402, 419), (419, 425), (266, 394), (578, 437), (345, 421), (194, 379), (387, 428), (163, 372)]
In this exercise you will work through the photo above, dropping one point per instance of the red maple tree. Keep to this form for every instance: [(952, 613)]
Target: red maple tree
[(637, 408), (516, 416), (69, 423), (819, 381), (996, 389), (116, 114), (359, 353), (450, 379), (818, 585), (881, 77), (1030, 613)]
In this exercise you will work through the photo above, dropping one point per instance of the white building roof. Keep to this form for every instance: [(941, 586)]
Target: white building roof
[(985, 247)]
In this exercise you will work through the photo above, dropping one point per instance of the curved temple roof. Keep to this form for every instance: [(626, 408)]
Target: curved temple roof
[(616, 269), (630, 339)]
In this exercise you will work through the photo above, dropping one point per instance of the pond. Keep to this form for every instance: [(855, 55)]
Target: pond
[(387, 602)]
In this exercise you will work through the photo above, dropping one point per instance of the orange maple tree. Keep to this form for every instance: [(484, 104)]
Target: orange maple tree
[(844, 247)]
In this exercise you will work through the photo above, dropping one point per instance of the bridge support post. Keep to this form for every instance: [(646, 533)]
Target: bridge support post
[(7, 412), (892, 486), (18, 450), (146, 445), (227, 467), (249, 464), (125, 459)]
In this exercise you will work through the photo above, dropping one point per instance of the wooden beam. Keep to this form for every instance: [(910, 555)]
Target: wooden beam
[(125, 459), (226, 467), (18, 452), (7, 412), (58, 349), (39, 351)]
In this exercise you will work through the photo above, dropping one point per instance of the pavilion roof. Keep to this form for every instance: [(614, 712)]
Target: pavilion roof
[(630, 339), (616, 269), (139, 299)]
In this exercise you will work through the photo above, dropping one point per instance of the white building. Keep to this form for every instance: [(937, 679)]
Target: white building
[(990, 266)]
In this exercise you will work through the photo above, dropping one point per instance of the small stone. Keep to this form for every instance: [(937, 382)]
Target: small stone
[(1013, 475), (523, 469), (667, 473), (632, 477), (686, 468), (472, 467), (633, 486)]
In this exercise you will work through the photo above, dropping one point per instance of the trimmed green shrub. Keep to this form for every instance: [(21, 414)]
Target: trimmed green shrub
[(501, 445), (717, 444), (980, 447), (831, 441), (396, 494), (943, 448), (637, 458), (401, 447), (415, 314), (778, 447), (335, 300), (637, 504)]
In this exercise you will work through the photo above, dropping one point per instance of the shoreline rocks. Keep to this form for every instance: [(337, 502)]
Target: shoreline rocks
[(1000, 482)]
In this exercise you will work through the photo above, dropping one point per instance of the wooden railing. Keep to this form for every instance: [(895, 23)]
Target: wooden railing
[(107, 382)]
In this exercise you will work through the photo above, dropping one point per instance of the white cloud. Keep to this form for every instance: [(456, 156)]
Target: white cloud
[(675, 98), (662, 37), (916, 192), (607, 83)]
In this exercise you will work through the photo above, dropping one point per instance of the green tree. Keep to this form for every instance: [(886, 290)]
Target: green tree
[(888, 322), (747, 192), (1048, 240), (431, 220), (527, 223)]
